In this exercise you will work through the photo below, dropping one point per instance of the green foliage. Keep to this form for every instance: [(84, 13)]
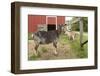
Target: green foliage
[(44, 49), (85, 24), (33, 57), (30, 36), (76, 26), (74, 47), (63, 39), (80, 52)]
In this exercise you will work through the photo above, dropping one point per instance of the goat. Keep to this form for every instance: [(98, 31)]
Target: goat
[(46, 37), (71, 35)]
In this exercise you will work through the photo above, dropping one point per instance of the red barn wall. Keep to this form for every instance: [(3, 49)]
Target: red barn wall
[(60, 20), (51, 20), (34, 20)]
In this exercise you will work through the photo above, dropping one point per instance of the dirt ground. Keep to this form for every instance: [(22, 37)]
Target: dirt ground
[(63, 50)]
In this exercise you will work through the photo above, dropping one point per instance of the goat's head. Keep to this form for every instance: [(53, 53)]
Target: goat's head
[(60, 28)]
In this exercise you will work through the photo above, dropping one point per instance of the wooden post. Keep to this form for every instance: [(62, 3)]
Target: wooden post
[(81, 31)]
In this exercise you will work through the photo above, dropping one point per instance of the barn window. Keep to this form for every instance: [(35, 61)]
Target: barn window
[(51, 27)]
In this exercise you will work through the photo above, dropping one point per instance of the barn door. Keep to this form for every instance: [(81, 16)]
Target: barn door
[(51, 22)]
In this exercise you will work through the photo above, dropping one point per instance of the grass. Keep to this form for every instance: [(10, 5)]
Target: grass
[(80, 52), (33, 57), (30, 36), (44, 49), (63, 39)]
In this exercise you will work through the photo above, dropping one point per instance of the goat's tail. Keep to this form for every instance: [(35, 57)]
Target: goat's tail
[(32, 35)]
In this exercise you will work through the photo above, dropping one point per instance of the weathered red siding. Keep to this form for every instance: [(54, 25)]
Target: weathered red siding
[(60, 20), (51, 20), (34, 20)]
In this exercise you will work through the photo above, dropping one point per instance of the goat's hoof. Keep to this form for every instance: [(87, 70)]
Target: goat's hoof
[(55, 53), (36, 55)]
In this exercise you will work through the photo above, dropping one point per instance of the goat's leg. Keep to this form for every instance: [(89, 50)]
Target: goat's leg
[(69, 37), (73, 37), (55, 45), (36, 49)]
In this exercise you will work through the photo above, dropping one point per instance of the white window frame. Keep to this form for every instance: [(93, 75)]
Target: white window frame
[(51, 16)]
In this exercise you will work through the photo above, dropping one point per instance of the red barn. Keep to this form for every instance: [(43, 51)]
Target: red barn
[(51, 22)]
